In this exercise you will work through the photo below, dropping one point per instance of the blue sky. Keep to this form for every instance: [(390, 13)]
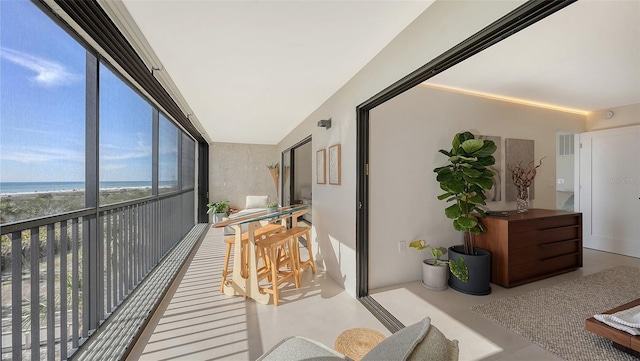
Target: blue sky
[(42, 108)]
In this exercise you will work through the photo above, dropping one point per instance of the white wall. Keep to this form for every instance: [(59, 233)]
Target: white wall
[(440, 27), (238, 170), (623, 116), (406, 134)]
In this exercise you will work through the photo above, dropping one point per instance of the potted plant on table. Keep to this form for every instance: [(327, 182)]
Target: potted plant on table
[(272, 207), (219, 210), (464, 180), (435, 272)]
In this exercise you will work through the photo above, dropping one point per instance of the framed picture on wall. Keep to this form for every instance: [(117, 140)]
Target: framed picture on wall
[(334, 164), (321, 166)]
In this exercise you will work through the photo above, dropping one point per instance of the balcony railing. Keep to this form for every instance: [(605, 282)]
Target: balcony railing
[(66, 274)]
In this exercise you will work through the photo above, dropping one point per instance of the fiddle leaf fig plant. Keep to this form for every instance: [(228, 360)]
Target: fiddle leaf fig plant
[(464, 180), (458, 267)]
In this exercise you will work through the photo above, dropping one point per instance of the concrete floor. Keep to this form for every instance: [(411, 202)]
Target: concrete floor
[(196, 322)]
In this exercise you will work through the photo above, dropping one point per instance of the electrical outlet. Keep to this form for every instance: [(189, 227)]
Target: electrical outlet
[(402, 246)]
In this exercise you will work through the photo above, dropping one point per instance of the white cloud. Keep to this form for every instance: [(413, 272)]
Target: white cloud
[(41, 154), (140, 149), (112, 167), (48, 73)]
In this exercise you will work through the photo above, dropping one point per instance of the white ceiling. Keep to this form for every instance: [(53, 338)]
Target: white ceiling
[(252, 71), (585, 57)]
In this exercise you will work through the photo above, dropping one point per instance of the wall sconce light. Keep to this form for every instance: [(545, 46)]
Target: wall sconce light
[(325, 123)]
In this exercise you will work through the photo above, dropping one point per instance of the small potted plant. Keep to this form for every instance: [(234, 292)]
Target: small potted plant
[(435, 271), (272, 207), (219, 210)]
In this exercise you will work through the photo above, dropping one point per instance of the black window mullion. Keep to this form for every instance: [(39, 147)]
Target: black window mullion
[(97, 24), (92, 189), (155, 152)]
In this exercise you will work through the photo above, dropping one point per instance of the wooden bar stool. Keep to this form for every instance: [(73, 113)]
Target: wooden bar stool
[(298, 232), (280, 251), (264, 231), (283, 255)]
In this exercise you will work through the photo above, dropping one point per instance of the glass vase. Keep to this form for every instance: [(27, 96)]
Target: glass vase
[(522, 200)]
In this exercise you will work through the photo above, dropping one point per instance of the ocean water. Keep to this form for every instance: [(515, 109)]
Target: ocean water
[(30, 187)]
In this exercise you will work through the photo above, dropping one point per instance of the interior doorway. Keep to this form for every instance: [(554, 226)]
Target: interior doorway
[(565, 171), (609, 181), (519, 19), (296, 175)]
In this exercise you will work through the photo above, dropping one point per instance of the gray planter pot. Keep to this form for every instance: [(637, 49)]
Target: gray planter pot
[(272, 210), (434, 277), (217, 217), (479, 265)]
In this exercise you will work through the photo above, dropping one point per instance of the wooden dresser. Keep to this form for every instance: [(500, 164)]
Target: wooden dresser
[(531, 246)]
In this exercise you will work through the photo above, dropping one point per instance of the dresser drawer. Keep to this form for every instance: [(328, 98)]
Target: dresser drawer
[(533, 224), (543, 268), (542, 252), (543, 236)]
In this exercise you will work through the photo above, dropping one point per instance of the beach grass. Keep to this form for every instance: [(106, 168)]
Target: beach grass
[(21, 206)]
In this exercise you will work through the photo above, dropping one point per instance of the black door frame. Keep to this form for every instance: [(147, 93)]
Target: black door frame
[(518, 19), (291, 149)]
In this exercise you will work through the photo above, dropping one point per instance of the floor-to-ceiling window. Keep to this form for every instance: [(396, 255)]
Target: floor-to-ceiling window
[(125, 140), (168, 154), (96, 186), (42, 111), (296, 175)]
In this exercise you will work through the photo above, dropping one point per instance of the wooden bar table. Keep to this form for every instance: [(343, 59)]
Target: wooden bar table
[(248, 286)]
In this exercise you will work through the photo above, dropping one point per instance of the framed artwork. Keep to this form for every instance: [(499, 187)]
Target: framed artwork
[(334, 164), (517, 151), (321, 166)]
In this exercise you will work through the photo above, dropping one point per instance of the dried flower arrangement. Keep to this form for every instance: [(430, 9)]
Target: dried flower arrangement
[(274, 169), (522, 178)]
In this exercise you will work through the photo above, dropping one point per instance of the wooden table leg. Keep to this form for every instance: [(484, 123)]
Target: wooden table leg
[(246, 286)]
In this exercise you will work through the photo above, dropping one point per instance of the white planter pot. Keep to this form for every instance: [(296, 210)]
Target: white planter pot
[(435, 277)]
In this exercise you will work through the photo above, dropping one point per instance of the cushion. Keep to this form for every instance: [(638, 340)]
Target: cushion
[(256, 202), (300, 348), (435, 347), (420, 341)]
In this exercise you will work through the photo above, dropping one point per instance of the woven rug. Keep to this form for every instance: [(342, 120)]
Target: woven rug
[(554, 317)]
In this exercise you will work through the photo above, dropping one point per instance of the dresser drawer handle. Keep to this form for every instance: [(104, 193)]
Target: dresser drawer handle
[(562, 255), (559, 242), (554, 228)]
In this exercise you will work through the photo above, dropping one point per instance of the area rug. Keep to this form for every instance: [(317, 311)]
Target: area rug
[(554, 317)]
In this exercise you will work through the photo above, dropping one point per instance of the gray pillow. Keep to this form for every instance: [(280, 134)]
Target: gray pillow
[(435, 347), (301, 348), (399, 346), (420, 341)]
